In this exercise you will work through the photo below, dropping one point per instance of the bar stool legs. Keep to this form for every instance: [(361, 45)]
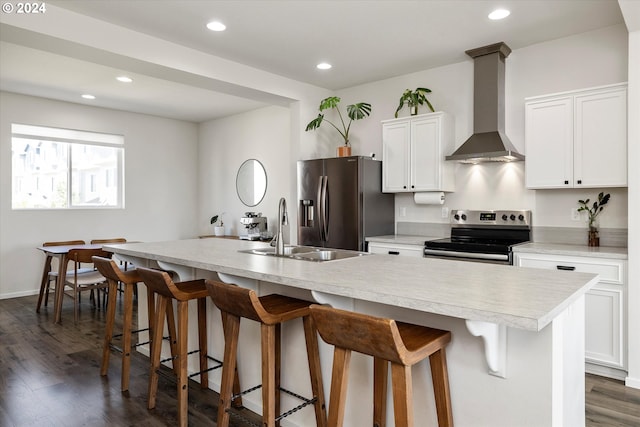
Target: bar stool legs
[(179, 359), (130, 278), (126, 331)]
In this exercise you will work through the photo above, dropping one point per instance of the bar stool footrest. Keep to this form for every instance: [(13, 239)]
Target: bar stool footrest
[(305, 402), (137, 331), (213, 359)]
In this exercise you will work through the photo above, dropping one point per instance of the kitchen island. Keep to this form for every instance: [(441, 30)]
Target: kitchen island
[(517, 354)]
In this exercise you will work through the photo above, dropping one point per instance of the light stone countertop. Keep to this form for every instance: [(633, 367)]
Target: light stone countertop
[(403, 239), (572, 250), (523, 298)]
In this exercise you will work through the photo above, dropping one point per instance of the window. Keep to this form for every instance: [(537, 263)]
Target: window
[(64, 169)]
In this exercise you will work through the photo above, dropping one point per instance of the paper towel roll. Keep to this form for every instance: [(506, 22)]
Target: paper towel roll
[(429, 198)]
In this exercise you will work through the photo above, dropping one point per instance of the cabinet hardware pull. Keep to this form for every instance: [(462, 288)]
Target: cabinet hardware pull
[(565, 267), (394, 253)]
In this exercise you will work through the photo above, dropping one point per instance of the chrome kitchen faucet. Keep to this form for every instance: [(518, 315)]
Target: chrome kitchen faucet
[(283, 219)]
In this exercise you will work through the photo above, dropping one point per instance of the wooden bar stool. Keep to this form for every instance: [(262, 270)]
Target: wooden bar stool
[(129, 279), (386, 340), (165, 291), (270, 311)]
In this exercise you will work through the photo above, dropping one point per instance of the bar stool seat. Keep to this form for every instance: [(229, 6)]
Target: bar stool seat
[(129, 279), (164, 291), (270, 311), (401, 344)]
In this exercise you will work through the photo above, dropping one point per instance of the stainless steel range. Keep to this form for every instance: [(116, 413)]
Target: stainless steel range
[(482, 236)]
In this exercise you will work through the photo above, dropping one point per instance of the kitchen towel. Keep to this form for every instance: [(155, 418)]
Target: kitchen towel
[(429, 198)]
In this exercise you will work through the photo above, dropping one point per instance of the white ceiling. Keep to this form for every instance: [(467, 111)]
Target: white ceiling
[(364, 40)]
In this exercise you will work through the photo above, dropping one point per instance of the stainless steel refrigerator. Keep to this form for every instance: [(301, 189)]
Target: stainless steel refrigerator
[(340, 202)]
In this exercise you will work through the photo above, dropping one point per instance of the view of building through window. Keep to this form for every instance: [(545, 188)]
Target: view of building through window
[(61, 168)]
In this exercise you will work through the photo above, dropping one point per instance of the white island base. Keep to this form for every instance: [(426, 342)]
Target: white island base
[(537, 377), (544, 384)]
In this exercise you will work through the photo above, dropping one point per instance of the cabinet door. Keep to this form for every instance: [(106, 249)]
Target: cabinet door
[(395, 156), (600, 145), (604, 320), (425, 155), (549, 143)]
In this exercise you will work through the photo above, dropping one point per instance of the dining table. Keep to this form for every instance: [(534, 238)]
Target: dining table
[(61, 253)]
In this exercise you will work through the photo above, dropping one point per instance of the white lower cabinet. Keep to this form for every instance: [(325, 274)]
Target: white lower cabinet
[(396, 249), (605, 312)]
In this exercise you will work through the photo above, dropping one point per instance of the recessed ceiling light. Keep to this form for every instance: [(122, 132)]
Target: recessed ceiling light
[(216, 26), (323, 66), (124, 79), (499, 14), (88, 96)]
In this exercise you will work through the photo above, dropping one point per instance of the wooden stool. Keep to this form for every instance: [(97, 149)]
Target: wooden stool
[(270, 311), (129, 279), (161, 286), (386, 340)]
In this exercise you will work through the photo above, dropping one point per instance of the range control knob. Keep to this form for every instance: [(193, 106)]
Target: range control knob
[(504, 217), (464, 217), (512, 217), (457, 217), (521, 217)]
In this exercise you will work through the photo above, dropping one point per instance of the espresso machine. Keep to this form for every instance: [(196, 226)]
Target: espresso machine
[(255, 226)]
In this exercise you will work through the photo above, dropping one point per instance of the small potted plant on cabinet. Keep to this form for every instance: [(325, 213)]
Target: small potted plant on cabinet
[(356, 111), (413, 99), (218, 230)]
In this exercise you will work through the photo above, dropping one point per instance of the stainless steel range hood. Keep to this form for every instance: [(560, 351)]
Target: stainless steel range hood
[(489, 143)]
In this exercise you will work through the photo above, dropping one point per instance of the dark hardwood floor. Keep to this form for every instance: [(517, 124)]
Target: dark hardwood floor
[(49, 376)]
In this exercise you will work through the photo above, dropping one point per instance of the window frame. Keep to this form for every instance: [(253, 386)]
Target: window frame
[(71, 138)]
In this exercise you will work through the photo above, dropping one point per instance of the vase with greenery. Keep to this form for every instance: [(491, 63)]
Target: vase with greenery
[(356, 111), (218, 230), (414, 98), (593, 210)]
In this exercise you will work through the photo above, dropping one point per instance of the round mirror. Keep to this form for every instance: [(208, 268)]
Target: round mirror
[(251, 182)]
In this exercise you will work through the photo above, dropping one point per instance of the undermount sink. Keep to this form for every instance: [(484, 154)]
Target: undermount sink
[(307, 253)]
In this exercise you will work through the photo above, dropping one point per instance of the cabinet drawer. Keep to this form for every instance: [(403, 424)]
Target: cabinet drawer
[(396, 249), (609, 270)]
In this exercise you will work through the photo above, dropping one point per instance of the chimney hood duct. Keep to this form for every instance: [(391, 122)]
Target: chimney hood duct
[(489, 141)]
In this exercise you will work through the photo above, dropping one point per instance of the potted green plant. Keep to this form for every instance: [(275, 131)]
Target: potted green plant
[(356, 111), (413, 99), (218, 230), (593, 211)]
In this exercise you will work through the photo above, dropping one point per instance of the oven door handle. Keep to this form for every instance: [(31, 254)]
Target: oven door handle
[(457, 254)]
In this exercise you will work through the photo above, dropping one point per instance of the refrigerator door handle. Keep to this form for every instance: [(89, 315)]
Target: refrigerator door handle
[(325, 206), (320, 207)]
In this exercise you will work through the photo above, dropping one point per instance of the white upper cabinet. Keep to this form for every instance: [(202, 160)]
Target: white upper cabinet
[(413, 151), (577, 139)]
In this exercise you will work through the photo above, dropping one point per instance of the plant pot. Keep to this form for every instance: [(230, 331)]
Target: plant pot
[(413, 110), (344, 151), (594, 237), (218, 231)]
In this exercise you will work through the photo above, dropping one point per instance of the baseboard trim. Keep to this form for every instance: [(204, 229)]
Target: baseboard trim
[(18, 294)]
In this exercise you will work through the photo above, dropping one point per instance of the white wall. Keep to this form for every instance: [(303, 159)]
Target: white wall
[(634, 207), (262, 134), (160, 187), (590, 59)]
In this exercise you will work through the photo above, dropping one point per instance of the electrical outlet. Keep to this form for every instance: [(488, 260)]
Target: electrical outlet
[(403, 212), (575, 215), (445, 212)]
